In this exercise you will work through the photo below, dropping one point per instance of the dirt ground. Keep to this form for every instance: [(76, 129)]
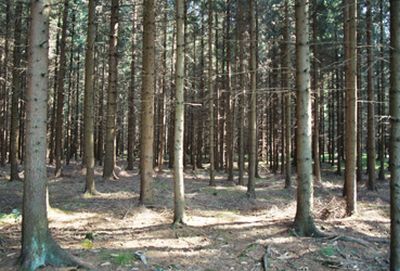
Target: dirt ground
[(225, 230)]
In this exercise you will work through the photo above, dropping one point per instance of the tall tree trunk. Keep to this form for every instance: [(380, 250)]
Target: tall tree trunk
[(371, 104), (162, 121), (395, 135), (315, 88), (253, 104), (60, 93), (16, 92), (132, 98), (304, 222), (381, 108), (179, 192), (229, 103), (89, 100), (3, 135), (38, 247), (147, 110), (351, 108), (211, 92), (110, 153), (242, 87), (288, 109)]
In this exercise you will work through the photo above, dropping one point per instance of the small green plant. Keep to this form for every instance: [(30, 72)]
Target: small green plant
[(328, 251), (123, 258), (13, 216)]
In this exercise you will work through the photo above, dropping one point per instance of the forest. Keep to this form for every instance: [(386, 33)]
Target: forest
[(199, 135)]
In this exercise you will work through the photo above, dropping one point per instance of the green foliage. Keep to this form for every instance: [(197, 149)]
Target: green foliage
[(87, 244), (328, 251), (14, 216), (123, 258)]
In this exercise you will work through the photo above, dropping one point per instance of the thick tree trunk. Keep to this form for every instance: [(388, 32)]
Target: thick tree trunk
[(147, 110), (89, 100), (304, 222), (395, 135), (110, 153), (60, 93), (16, 92), (351, 108), (179, 192), (38, 247), (251, 193)]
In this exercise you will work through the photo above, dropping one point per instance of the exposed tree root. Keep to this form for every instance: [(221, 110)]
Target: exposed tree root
[(52, 255), (265, 258), (364, 242)]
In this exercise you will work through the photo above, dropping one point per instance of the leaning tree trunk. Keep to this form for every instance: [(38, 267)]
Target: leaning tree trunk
[(179, 192), (16, 93), (251, 193), (38, 247), (371, 105), (89, 100), (60, 93), (395, 135), (109, 156), (351, 108), (304, 222), (147, 110)]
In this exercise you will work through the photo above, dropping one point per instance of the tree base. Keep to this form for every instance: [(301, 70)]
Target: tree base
[(307, 229), (53, 255)]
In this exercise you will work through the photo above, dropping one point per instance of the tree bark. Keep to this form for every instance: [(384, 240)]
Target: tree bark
[(16, 92), (371, 104), (132, 98), (251, 193), (351, 108), (147, 110), (38, 247), (179, 192), (287, 102), (110, 152), (60, 93), (211, 93), (89, 100), (395, 135), (304, 221)]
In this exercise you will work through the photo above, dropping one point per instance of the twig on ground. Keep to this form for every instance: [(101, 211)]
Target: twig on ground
[(265, 258)]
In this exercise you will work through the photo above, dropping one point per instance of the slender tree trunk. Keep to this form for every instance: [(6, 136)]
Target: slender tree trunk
[(304, 222), (351, 108), (211, 92), (147, 110), (253, 104), (89, 100), (16, 92), (163, 97), (132, 98), (288, 109), (100, 136), (38, 247), (381, 142), (395, 135), (179, 192), (110, 152), (242, 103), (60, 93), (371, 104), (315, 88)]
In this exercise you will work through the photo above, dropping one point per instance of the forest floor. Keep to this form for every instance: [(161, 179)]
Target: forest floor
[(225, 230)]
